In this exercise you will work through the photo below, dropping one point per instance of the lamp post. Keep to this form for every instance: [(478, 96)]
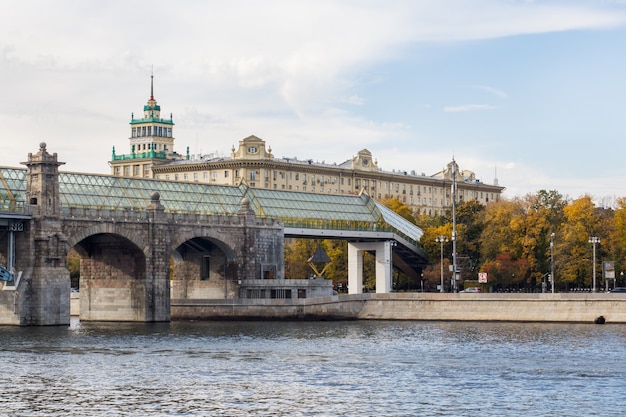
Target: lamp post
[(621, 275), (441, 240), (552, 260), (594, 240), (454, 260)]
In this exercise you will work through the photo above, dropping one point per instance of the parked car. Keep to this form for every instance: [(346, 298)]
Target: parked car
[(471, 289), (618, 289)]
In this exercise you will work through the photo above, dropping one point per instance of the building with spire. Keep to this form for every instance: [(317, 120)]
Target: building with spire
[(151, 142), (152, 156)]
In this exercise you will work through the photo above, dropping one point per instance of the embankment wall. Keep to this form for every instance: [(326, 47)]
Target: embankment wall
[(559, 307)]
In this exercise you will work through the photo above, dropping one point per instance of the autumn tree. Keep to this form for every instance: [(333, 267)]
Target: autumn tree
[(399, 208), (572, 249), (506, 273), (497, 236), (618, 235)]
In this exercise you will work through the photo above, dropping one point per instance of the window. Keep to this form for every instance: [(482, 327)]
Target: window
[(252, 175), (134, 132), (252, 149), (185, 176), (225, 174), (268, 271), (195, 176), (169, 132), (175, 177), (149, 130), (205, 268)]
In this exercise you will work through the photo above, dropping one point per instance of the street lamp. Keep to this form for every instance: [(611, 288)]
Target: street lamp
[(441, 240), (454, 260), (594, 240), (552, 260), (621, 275)]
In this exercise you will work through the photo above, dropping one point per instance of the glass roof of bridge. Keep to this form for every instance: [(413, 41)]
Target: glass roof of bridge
[(116, 193)]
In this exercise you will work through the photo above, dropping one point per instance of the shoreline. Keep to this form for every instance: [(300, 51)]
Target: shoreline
[(509, 307)]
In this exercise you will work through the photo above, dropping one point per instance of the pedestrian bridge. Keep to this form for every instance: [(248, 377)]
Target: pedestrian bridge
[(143, 221)]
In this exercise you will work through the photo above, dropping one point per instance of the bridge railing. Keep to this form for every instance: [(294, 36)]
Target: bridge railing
[(11, 206), (102, 213), (125, 215), (348, 225)]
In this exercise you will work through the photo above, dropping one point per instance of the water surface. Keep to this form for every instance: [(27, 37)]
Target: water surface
[(354, 368)]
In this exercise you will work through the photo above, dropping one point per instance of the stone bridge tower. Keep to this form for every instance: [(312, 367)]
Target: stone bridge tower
[(44, 299)]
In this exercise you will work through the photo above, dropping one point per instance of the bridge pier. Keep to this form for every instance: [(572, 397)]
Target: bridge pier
[(384, 265), (43, 292)]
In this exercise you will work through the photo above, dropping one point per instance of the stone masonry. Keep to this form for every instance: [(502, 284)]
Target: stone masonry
[(131, 261)]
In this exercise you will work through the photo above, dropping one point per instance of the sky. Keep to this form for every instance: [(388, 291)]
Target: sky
[(532, 93)]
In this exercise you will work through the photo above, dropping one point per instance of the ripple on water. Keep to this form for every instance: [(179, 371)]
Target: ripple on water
[(313, 369)]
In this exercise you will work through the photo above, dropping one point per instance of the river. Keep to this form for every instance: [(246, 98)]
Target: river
[(342, 368)]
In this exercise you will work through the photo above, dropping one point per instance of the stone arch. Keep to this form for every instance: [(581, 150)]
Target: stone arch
[(212, 236), (203, 265), (114, 273), (108, 228)]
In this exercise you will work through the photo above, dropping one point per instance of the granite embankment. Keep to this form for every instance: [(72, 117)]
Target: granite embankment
[(559, 307)]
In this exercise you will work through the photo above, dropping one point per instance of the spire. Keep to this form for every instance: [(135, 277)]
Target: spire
[(152, 84)]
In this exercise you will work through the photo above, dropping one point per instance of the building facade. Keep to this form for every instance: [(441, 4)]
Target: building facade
[(152, 156)]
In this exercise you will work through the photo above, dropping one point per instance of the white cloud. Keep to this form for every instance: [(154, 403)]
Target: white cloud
[(468, 107), (289, 72), (491, 90)]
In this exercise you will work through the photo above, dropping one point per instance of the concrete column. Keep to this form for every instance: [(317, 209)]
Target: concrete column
[(383, 266), (355, 269)]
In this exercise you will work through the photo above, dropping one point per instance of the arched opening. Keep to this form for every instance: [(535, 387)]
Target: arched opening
[(111, 279), (202, 269)]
